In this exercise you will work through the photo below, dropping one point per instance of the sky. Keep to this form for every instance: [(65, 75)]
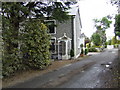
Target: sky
[(91, 9)]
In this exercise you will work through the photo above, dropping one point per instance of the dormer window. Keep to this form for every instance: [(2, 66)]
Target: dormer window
[(51, 26)]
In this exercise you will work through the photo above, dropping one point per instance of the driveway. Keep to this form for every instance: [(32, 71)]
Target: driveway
[(92, 72)]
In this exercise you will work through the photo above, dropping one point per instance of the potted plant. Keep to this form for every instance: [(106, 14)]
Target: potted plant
[(82, 51), (72, 53)]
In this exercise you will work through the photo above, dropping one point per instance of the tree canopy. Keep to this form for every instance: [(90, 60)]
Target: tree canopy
[(96, 39), (101, 25), (117, 25)]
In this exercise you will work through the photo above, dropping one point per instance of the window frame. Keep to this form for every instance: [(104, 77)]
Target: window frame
[(54, 27)]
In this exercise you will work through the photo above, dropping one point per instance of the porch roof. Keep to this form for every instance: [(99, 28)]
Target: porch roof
[(64, 37)]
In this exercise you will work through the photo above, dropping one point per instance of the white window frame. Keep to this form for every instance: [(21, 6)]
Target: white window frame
[(54, 27)]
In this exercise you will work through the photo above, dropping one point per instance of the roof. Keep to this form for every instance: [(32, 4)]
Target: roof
[(64, 37), (73, 10)]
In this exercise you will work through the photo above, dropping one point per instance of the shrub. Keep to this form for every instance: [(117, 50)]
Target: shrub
[(92, 49), (88, 45), (82, 51), (81, 45), (86, 51), (116, 46), (33, 52), (71, 53), (35, 45)]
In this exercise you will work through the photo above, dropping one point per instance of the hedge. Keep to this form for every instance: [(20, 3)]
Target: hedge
[(32, 51)]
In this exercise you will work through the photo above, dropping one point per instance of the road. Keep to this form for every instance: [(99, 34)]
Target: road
[(92, 72)]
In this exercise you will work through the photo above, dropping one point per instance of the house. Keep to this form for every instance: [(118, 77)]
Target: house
[(82, 39), (66, 36)]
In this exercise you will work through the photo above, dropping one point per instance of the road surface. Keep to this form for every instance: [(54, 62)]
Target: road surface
[(92, 72)]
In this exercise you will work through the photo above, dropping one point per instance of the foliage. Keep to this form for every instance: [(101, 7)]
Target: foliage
[(81, 45), (82, 51), (115, 2), (92, 49), (96, 46), (118, 41), (33, 52), (26, 43), (113, 41), (116, 45), (87, 40), (96, 39), (72, 53), (35, 45), (88, 45), (105, 44), (86, 51), (101, 25), (109, 42), (117, 25)]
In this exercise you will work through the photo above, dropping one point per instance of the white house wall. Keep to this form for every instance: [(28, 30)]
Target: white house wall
[(77, 32)]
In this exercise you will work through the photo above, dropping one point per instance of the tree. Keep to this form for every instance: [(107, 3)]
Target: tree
[(109, 42), (101, 25), (96, 39), (19, 27), (117, 25), (116, 2), (113, 41), (13, 13), (87, 40)]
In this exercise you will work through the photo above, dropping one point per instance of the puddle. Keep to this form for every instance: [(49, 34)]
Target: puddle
[(113, 52), (109, 62), (107, 65), (83, 71)]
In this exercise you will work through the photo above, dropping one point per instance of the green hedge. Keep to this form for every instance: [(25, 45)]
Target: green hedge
[(33, 52), (71, 53), (86, 51), (92, 49)]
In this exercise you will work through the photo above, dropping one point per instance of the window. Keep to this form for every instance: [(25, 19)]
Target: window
[(51, 26)]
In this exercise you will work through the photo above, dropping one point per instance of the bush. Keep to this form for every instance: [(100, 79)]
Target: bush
[(34, 49), (92, 49), (96, 46), (82, 51), (35, 45), (116, 46), (88, 45), (81, 45), (86, 51), (71, 53)]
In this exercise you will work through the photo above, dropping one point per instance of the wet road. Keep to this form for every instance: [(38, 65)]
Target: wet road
[(97, 75), (92, 72)]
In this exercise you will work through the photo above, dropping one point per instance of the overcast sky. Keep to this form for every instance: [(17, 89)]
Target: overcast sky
[(91, 9)]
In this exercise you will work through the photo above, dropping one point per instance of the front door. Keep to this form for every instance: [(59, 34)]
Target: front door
[(62, 47)]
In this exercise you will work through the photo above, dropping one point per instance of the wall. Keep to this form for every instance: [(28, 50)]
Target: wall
[(77, 35)]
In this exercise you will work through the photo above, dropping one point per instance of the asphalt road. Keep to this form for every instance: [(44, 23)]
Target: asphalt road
[(92, 72)]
